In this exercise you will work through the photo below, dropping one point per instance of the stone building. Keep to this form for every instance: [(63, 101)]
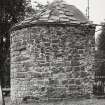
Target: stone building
[(52, 54)]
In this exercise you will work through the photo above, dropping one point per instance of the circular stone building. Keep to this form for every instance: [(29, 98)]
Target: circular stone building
[(52, 55)]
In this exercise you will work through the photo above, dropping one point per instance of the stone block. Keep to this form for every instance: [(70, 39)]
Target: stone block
[(69, 74), (81, 51), (56, 92), (76, 68), (68, 69), (27, 64), (47, 44), (40, 83), (64, 82), (46, 74), (21, 75), (75, 63), (21, 58), (55, 70), (71, 81), (76, 74), (36, 75), (53, 81), (82, 68), (46, 64), (78, 82), (83, 74)]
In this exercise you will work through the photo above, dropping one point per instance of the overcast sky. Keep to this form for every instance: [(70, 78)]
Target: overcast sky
[(97, 8)]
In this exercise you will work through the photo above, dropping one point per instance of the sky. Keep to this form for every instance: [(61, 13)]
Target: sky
[(97, 8)]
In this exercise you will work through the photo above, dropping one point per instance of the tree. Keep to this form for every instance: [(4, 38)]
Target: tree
[(100, 60), (101, 38), (32, 12), (11, 12)]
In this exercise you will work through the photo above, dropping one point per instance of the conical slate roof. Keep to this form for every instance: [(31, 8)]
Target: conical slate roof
[(60, 11), (57, 11)]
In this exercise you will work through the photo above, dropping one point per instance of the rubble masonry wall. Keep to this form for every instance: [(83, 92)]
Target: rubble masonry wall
[(51, 61)]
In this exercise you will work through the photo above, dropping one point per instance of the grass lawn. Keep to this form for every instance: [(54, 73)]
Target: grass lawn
[(92, 101)]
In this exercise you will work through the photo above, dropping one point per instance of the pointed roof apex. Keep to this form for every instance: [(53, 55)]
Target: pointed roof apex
[(58, 0), (58, 12)]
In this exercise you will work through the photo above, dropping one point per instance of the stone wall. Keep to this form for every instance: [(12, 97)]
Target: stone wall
[(52, 61)]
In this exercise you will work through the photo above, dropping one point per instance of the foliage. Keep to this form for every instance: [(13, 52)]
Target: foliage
[(101, 39), (100, 54), (11, 12), (32, 12)]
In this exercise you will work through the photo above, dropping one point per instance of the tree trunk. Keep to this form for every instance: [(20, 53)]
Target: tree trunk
[(1, 95), (2, 101)]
